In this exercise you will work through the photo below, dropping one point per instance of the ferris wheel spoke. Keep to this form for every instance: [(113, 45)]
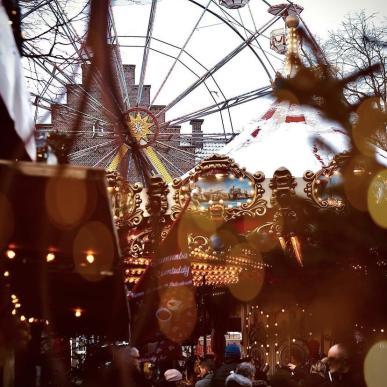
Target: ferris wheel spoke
[(260, 47), (183, 153), (267, 3), (119, 156), (170, 164), (179, 60), (182, 50), (248, 31), (238, 23), (219, 65), (66, 24), (230, 24), (35, 8), (92, 101), (118, 60), (110, 154), (68, 30), (73, 36), (146, 51), (70, 111), (227, 104), (81, 152)]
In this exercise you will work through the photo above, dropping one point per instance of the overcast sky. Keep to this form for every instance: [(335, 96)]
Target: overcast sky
[(324, 15), (212, 42)]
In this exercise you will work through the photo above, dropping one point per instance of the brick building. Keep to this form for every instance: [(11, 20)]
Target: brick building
[(95, 141)]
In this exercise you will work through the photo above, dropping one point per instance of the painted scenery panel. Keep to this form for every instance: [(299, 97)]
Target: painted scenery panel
[(226, 190)]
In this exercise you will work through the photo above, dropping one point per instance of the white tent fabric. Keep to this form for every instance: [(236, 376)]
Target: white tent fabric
[(289, 136), (13, 89)]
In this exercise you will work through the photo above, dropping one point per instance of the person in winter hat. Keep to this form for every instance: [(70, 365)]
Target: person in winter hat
[(232, 356), (243, 376), (172, 378)]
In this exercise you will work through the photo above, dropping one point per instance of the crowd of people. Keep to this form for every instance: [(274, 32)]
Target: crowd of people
[(336, 369)]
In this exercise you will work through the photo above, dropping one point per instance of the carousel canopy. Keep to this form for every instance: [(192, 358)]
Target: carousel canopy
[(290, 136)]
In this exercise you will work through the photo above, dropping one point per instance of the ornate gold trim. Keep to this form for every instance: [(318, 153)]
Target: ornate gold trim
[(313, 188), (126, 200)]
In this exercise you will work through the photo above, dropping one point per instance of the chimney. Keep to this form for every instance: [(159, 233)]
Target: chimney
[(197, 133), (129, 71)]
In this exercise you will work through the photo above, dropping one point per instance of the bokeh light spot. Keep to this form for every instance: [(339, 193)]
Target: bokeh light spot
[(177, 313), (96, 237), (375, 365), (66, 201), (249, 285), (377, 198), (50, 257), (357, 176), (10, 254), (370, 119)]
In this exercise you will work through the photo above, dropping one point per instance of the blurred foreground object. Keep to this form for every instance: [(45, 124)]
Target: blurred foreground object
[(60, 253), (53, 233), (16, 119)]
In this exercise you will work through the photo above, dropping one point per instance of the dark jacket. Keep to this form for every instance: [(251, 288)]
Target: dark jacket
[(220, 375), (205, 382), (351, 379), (314, 380)]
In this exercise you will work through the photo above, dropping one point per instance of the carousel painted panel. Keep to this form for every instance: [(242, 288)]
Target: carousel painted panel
[(218, 188)]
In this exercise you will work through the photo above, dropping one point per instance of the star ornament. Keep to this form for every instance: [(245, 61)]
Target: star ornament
[(140, 126)]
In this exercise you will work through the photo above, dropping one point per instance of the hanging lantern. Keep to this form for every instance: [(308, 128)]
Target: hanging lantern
[(233, 4)]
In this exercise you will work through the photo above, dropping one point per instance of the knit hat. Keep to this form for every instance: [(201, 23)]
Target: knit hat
[(232, 351), (173, 375)]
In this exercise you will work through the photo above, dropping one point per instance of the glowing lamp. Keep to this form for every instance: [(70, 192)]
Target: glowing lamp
[(50, 257), (10, 254), (90, 258)]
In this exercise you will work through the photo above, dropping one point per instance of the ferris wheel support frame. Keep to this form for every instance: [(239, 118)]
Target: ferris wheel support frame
[(219, 65), (82, 55)]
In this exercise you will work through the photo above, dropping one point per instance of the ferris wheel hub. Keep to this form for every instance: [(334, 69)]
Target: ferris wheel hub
[(143, 126)]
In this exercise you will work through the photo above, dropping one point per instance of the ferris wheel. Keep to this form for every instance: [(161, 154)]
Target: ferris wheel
[(189, 74)]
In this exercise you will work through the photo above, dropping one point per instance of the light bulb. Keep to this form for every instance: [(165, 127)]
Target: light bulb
[(50, 257), (10, 254)]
